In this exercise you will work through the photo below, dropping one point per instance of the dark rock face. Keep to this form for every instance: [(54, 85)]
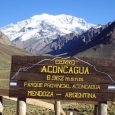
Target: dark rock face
[(72, 44)]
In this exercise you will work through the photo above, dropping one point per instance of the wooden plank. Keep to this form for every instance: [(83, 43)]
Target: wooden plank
[(4, 92), (90, 78), (31, 60), (90, 87), (28, 66), (60, 77), (33, 67), (66, 72), (63, 95)]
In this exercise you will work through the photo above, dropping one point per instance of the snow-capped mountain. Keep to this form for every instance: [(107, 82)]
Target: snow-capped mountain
[(45, 25), (40, 30)]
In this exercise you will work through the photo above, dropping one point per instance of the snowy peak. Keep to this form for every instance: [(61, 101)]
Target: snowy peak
[(45, 25), (63, 21)]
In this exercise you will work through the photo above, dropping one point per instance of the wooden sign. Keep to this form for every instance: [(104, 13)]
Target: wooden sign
[(64, 78)]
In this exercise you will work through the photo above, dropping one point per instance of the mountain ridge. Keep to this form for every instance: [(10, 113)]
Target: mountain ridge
[(62, 21), (61, 34), (104, 35), (44, 26)]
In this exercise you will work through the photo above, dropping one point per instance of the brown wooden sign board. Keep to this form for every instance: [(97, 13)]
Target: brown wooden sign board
[(62, 78)]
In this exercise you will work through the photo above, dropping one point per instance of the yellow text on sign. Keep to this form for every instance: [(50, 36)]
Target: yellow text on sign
[(65, 70)]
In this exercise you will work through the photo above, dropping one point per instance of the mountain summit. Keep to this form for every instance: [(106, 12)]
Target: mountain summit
[(45, 25), (40, 30)]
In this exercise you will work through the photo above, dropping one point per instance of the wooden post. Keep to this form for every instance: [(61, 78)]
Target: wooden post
[(96, 110), (21, 106), (57, 108), (1, 105), (71, 113), (102, 108)]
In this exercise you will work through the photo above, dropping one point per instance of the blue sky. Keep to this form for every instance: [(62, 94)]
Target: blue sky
[(94, 11)]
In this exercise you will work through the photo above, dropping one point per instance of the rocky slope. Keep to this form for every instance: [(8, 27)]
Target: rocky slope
[(4, 39), (71, 44)]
